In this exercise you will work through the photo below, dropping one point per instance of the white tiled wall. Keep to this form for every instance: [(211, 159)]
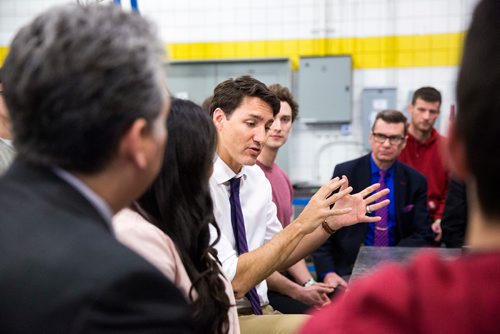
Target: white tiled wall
[(219, 20), (229, 20), (314, 149)]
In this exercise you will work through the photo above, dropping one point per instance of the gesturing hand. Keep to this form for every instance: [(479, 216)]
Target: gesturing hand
[(358, 203), (318, 208)]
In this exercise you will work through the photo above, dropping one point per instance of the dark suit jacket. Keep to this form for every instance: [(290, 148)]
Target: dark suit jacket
[(413, 222), (62, 271)]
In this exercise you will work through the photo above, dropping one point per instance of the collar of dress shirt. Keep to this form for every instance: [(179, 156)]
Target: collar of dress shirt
[(374, 168), (222, 172), (97, 202), (7, 141)]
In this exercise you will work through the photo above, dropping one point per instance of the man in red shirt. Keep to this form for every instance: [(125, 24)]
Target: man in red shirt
[(432, 295), (423, 151)]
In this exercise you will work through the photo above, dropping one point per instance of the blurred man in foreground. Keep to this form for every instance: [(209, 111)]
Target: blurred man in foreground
[(86, 95)]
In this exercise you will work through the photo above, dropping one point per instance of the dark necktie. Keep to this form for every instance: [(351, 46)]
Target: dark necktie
[(381, 236), (240, 237)]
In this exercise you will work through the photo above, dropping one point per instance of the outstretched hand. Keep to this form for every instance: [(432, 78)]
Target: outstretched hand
[(318, 208), (358, 203)]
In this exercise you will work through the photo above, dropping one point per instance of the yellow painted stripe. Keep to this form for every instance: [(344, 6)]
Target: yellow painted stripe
[(367, 52)]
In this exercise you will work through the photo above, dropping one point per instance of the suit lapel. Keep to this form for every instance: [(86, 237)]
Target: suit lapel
[(400, 185), (363, 180), (364, 174)]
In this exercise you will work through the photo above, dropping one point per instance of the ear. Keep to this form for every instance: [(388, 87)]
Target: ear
[(219, 117), (457, 151), (410, 108), (132, 146), (403, 145)]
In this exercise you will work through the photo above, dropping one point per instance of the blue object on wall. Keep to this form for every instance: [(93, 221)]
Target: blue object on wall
[(133, 4)]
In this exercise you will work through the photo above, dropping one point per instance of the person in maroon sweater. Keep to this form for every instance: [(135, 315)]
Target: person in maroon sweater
[(432, 295), (423, 151), (294, 291)]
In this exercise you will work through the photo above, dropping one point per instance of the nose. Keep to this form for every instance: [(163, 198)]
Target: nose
[(260, 134), (276, 125), (426, 114)]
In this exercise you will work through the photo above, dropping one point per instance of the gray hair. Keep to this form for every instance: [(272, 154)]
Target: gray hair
[(76, 79), (393, 117)]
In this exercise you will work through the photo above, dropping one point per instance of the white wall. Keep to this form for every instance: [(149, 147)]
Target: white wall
[(313, 150)]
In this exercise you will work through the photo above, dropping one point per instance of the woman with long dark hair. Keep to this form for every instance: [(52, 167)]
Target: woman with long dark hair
[(169, 225)]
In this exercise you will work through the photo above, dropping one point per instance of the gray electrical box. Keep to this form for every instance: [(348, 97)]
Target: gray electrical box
[(269, 71), (374, 100), (324, 87), (196, 80)]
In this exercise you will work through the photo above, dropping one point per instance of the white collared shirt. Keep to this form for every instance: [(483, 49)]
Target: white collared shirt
[(259, 214), (7, 142)]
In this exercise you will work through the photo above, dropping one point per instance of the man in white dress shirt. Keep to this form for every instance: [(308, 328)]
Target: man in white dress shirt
[(243, 110)]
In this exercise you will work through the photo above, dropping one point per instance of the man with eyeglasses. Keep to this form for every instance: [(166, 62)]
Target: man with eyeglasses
[(406, 222), (424, 151)]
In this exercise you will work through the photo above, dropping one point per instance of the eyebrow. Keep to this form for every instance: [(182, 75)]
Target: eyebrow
[(430, 109), (256, 117), (381, 133)]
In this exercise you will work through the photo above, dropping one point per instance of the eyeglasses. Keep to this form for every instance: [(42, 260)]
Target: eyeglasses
[(381, 138)]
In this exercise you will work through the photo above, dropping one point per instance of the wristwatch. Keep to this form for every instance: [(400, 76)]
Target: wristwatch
[(310, 282)]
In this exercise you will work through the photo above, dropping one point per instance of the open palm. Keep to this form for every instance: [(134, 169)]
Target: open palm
[(358, 202)]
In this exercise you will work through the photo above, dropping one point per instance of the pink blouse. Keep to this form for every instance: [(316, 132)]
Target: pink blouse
[(157, 248)]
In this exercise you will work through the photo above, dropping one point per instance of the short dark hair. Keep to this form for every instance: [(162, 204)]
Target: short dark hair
[(428, 94), (285, 95), (76, 79), (229, 94), (391, 116), (179, 203), (478, 116), (205, 105)]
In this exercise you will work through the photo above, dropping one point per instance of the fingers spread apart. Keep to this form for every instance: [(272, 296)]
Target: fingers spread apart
[(330, 187), (374, 197), (335, 197)]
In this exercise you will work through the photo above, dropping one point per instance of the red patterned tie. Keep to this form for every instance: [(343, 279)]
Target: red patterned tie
[(381, 236), (240, 237)]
